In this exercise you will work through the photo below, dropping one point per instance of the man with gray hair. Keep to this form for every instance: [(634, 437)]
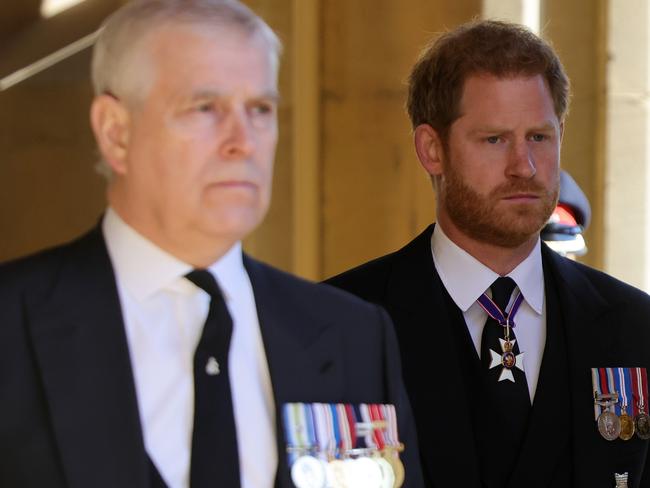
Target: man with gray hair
[(153, 352)]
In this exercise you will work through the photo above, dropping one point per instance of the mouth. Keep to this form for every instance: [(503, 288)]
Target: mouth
[(234, 184), (521, 197)]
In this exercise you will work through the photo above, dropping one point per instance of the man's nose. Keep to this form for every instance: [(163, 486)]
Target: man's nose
[(521, 163), (237, 134)]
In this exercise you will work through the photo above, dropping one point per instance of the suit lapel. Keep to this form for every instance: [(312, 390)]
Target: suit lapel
[(296, 355), (415, 300), (81, 350)]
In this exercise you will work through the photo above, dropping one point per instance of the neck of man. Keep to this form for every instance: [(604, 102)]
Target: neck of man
[(501, 260), (198, 250)]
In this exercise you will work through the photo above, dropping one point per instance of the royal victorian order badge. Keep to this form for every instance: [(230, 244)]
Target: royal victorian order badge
[(507, 359)]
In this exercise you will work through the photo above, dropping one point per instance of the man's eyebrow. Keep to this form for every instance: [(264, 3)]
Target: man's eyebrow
[(544, 127), (487, 129), (272, 95)]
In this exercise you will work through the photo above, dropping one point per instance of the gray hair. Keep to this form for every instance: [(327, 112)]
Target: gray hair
[(122, 31), (116, 67)]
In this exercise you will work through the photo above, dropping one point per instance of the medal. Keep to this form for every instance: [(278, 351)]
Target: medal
[(623, 387), (641, 419), (627, 427), (380, 437), (365, 432), (308, 472), (297, 430), (506, 358), (387, 473), (605, 396), (642, 425), (343, 446), (609, 425), (391, 455), (364, 472), (393, 445), (339, 474)]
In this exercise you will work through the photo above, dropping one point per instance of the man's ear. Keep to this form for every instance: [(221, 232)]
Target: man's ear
[(428, 147), (110, 122)]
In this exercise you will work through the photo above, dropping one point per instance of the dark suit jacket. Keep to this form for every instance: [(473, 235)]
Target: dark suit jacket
[(606, 325), (68, 407)]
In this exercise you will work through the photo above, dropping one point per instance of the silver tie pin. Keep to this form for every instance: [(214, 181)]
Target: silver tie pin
[(212, 367)]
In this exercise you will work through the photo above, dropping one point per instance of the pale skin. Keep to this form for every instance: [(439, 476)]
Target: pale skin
[(507, 136), (192, 158)]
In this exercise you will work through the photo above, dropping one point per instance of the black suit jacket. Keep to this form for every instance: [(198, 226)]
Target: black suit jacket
[(68, 407), (606, 324)]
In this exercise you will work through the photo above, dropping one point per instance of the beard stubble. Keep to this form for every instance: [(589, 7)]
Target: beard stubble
[(480, 218)]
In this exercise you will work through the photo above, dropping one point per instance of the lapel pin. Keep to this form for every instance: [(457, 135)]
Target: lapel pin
[(621, 480)]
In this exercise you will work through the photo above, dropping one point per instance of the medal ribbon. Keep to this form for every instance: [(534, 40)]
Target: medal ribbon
[(628, 383), (641, 389), (365, 416), (617, 388), (629, 391), (611, 384), (377, 418), (495, 312), (644, 389), (603, 378), (337, 431), (352, 423), (344, 429), (289, 431), (635, 390), (322, 432), (297, 429), (604, 383), (311, 427), (331, 435), (596, 384), (392, 437), (358, 418), (620, 384)]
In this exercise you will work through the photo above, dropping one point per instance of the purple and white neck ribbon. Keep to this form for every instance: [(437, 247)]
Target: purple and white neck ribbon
[(495, 312)]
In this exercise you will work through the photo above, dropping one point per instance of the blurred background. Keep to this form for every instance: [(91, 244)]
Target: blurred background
[(347, 185)]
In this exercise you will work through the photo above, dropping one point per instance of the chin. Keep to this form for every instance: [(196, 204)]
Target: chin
[(235, 224)]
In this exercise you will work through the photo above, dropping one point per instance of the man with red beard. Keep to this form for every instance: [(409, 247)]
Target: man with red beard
[(520, 335)]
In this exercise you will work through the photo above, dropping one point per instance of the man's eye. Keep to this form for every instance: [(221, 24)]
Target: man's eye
[(263, 108), (204, 107), (538, 137), (492, 139)]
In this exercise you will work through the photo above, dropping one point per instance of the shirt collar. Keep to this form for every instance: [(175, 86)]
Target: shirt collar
[(454, 265), (144, 268), (230, 274)]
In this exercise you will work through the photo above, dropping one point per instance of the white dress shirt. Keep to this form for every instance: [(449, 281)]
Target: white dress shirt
[(466, 279), (164, 315)]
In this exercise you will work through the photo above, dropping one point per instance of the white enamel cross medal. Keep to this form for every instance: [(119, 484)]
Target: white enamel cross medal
[(507, 359)]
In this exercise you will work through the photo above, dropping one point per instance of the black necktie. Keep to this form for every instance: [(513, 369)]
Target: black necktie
[(506, 403), (214, 460)]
